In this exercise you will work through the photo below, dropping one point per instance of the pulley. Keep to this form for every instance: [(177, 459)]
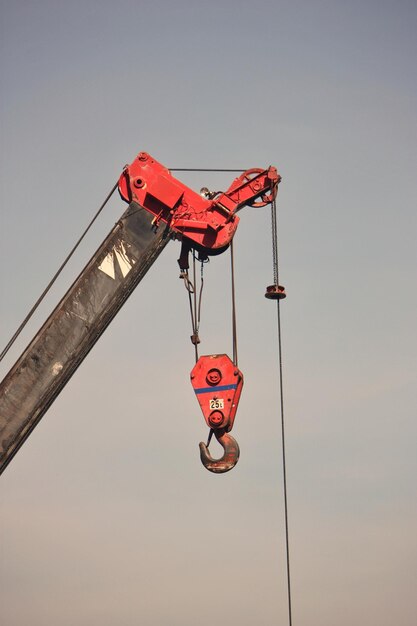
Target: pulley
[(275, 292), (253, 177)]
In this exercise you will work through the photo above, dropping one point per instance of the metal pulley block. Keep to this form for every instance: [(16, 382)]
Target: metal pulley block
[(218, 383), (275, 292)]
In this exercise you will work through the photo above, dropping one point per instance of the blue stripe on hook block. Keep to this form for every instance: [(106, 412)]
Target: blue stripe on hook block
[(214, 389)]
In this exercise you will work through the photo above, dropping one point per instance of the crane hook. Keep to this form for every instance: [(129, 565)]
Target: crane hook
[(229, 458)]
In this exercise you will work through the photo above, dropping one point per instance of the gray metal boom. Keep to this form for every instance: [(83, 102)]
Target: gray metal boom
[(75, 325)]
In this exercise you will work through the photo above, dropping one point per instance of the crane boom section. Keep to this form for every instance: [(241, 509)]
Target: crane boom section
[(75, 325)]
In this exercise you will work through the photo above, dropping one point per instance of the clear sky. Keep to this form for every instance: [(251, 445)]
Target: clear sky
[(107, 516)]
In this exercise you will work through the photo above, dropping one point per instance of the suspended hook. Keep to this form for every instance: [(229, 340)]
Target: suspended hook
[(229, 458)]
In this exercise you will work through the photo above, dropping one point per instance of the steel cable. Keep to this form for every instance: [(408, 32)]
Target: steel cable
[(234, 323), (284, 464), (54, 278)]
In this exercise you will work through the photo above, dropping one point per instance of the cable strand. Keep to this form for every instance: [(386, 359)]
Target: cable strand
[(54, 278), (284, 465), (274, 241), (195, 327), (234, 322), (281, 387)]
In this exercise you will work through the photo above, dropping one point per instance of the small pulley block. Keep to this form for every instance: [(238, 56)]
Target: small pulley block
[(275, 292)]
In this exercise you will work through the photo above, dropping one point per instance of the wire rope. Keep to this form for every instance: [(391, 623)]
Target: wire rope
[(284, 463), (234, 323), (56, 275), (194, 300), (196, 320)]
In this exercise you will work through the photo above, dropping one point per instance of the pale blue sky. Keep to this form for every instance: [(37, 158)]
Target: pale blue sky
[(107, 516)]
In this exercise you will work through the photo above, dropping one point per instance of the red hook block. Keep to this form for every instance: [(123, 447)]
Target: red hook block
[(217, 383)]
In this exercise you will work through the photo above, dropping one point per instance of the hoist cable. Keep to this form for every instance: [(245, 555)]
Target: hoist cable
[(194, 301), (190, 287), (234, 325), (54, 278), (200, 295), (284, 464), (274, 241), (195, 326)]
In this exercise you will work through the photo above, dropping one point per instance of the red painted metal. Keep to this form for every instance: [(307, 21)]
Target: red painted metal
[(254, 177), (217, 383), (208, 223)]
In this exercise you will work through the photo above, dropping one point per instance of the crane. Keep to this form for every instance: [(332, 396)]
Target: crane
[(160, 209)]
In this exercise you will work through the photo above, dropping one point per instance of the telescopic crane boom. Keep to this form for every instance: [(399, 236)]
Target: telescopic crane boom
[(160, 208)]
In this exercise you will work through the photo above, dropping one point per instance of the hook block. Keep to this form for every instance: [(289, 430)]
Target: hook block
[(217, 384)]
